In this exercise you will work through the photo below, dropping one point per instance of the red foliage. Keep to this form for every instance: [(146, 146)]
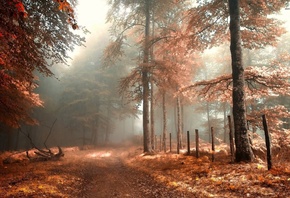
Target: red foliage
[(19, 9), (66, 7)]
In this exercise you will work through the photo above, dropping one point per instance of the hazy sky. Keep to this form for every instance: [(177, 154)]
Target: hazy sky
[(92, 15), (285, 17)]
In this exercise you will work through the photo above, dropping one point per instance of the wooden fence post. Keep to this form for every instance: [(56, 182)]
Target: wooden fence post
[(160, 143), (268, 144), (197, 143), (188, 143), (178, 143), (212, 144), (155, 142), (170, 142)]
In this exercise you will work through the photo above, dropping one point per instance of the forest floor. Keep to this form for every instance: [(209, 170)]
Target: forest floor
[(126, 172)]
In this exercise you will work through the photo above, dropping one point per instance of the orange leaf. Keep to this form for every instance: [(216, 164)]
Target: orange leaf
[(60, 6), (20, 7)]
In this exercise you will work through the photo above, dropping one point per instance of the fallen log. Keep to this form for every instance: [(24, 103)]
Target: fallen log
[(42, 155)]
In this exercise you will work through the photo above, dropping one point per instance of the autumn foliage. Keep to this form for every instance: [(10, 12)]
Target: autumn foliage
[(33, 36), (180, 32), (208, 23), (66, 7)]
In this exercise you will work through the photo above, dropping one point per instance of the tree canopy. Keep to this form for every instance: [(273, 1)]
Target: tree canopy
[(34, 35), (178, 29)]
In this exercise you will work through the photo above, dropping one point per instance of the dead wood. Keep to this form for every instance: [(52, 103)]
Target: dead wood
[(47, 155), (43, 154)]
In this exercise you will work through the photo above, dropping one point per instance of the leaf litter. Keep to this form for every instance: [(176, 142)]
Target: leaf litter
[(85, 173)]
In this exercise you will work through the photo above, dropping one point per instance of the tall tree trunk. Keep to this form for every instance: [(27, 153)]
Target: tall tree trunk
[(225, 121), (182, 122), (208, 121), (95, 131), (243, 149), (107, 133), (133, 126), (145, 80), (164, 121), (94, 137), (152, 123), (152, 118), (178, 124)]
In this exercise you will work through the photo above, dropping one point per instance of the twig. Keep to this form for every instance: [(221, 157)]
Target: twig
[(49, 134)]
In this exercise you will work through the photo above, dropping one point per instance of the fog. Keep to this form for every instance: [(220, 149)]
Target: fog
[(82, 105)]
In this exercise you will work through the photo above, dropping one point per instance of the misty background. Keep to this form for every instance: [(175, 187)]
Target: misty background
[(82, 104)]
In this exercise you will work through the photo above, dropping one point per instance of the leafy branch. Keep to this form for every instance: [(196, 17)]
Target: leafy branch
[(271, 81)]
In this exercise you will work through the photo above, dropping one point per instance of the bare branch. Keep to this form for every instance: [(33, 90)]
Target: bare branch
[(49, 133)]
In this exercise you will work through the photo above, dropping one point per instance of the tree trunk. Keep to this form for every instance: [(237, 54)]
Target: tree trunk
[(225, 121), (95, 130), (152, 118), (164, 121), (182, 143), (208, 121), (243, 149), (107, 134), (108, 129), (152, 123), (178, 125), (145, 80)]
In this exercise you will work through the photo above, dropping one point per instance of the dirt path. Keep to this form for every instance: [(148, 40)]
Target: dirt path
[(124, 172), (95, 173), (108, 176)]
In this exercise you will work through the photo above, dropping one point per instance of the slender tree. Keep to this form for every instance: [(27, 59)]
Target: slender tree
[(138, 21), (146, 79), (164, 115), (179, 128), (124, 22), (243, 148)]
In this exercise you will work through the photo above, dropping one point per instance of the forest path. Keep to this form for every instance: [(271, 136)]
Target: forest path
[(91, 173), (112, 172), (105, 174)]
